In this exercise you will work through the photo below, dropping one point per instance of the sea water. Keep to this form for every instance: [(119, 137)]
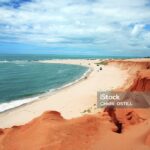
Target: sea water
[(24, 78)]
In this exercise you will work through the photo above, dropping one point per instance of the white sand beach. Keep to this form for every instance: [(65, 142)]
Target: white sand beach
[(70, 101)]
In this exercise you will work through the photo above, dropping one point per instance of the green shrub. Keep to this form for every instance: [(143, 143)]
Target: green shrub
[(102, 63)]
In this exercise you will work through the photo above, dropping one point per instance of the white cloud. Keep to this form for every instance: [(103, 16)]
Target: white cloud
[(115, 22), (137, 29)]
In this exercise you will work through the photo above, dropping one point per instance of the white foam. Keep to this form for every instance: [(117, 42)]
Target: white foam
[(16, 103), (16, 61), (3, 61)]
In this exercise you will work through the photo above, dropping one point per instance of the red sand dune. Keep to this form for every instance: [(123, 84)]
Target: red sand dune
[(51, 132), (147, 141), (113, 129), (132, 66), (92, 132), (142, 81), (139, 72)]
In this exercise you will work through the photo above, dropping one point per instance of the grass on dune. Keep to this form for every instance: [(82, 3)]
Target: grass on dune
[(102, 63)]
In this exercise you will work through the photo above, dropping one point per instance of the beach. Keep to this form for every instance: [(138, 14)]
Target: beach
[(69, 119), (70, 101)]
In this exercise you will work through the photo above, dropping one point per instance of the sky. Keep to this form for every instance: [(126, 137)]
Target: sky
[(88, 27)]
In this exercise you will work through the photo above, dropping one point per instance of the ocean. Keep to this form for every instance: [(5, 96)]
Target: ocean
[(23, 78)]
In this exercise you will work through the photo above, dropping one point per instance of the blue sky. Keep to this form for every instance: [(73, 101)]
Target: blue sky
[(90, 27)]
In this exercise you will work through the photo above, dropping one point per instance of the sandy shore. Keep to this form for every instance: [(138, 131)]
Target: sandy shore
[(71, 101)]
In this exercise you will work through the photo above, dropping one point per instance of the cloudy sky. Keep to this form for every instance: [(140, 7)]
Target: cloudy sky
[(93, 27)]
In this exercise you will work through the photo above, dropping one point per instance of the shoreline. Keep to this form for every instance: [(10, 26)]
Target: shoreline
[(50, 92), (83, 95)]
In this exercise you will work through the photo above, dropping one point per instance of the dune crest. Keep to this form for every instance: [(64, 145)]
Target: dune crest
[(51, 131)]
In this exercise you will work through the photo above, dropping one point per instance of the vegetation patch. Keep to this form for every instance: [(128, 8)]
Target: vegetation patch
[(102, 63)]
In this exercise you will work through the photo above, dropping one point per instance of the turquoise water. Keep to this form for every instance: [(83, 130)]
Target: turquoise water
[(23, 80), (31, 57)]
